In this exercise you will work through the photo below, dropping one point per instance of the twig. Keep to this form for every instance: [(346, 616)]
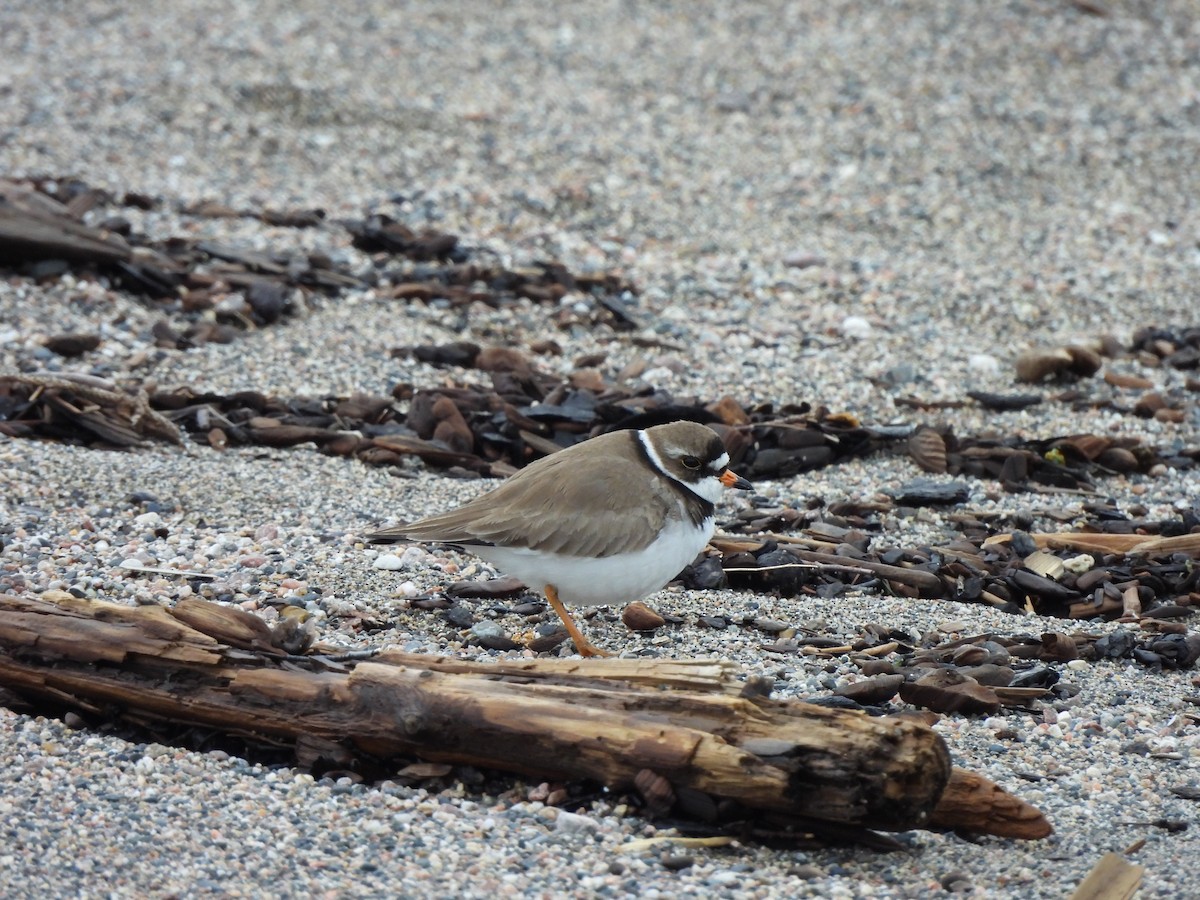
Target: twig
[(652, 842), (157, 571)]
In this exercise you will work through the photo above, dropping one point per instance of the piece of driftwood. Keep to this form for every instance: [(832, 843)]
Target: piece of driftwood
[(1112, 878), (1129, 544), (685, 725), (34, 226), (95, 405), (914, 578)]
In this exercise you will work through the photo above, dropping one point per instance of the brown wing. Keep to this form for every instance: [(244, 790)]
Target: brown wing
[(590, 504)]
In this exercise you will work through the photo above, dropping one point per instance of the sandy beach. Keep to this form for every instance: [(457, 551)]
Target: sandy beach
[(841, 204)]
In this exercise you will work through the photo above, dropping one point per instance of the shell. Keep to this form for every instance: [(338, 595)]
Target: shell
[(928, 449)]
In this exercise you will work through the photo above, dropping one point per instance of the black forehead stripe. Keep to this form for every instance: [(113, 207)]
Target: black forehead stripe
[(716, 447)]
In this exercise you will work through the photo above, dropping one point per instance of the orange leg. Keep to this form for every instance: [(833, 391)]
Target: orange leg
[(582, 644)]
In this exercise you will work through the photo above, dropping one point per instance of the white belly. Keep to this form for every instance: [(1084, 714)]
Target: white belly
[(615, 580)]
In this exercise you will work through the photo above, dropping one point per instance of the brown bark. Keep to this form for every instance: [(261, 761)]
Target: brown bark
[(971, 799), (32, 227), (690, 721)]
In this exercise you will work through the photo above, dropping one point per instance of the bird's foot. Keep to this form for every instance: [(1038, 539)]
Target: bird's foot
[(584, 647)]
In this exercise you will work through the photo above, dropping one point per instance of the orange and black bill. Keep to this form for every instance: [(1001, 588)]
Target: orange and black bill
[(731, 479)]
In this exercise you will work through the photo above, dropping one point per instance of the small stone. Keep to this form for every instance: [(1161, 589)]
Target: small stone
[(1039, 365), (1174, 416), (1085, 361), (528, 608), (901, 373), (927, 492), (639, 617), (871, 691), (677, 863), (590, 360), (573, 823), (733, 101), (632, 370), (800, 259), (459, 353), (1149, 404), (983, 363), (486, 629), (1077, 565), (729, 411), (388, 561), (771, 626), (956, 882), (1132, 382), (805, 872), (876, 667), (856, 327), (707, 575), (587, 380), (546, 642), (954, 626), (451, 428), (1023, 544), (460, 616), (71, 345), (498, 642), (676, 365)]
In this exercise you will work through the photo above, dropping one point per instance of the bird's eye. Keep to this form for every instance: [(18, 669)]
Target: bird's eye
[(691, 462)]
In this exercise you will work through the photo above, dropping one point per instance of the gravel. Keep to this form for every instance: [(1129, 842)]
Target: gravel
[(838, 203)]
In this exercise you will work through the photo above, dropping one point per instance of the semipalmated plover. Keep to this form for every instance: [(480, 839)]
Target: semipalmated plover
[(607, 521)]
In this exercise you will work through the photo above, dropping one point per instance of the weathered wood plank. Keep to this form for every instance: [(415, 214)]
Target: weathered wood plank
[(693, 722)]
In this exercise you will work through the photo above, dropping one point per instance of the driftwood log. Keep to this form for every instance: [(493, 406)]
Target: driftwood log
[(662, 727), (34, 226)]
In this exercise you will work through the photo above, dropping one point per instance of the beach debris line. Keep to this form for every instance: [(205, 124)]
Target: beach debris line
[(212, 291), (522, 414)]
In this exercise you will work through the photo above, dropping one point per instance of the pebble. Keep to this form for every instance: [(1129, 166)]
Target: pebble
[(983, 364), (572, 823), (486, 629), (677, 862), (857, 327), (389, 562), (461, 616), (637, 616), (802, 260)]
